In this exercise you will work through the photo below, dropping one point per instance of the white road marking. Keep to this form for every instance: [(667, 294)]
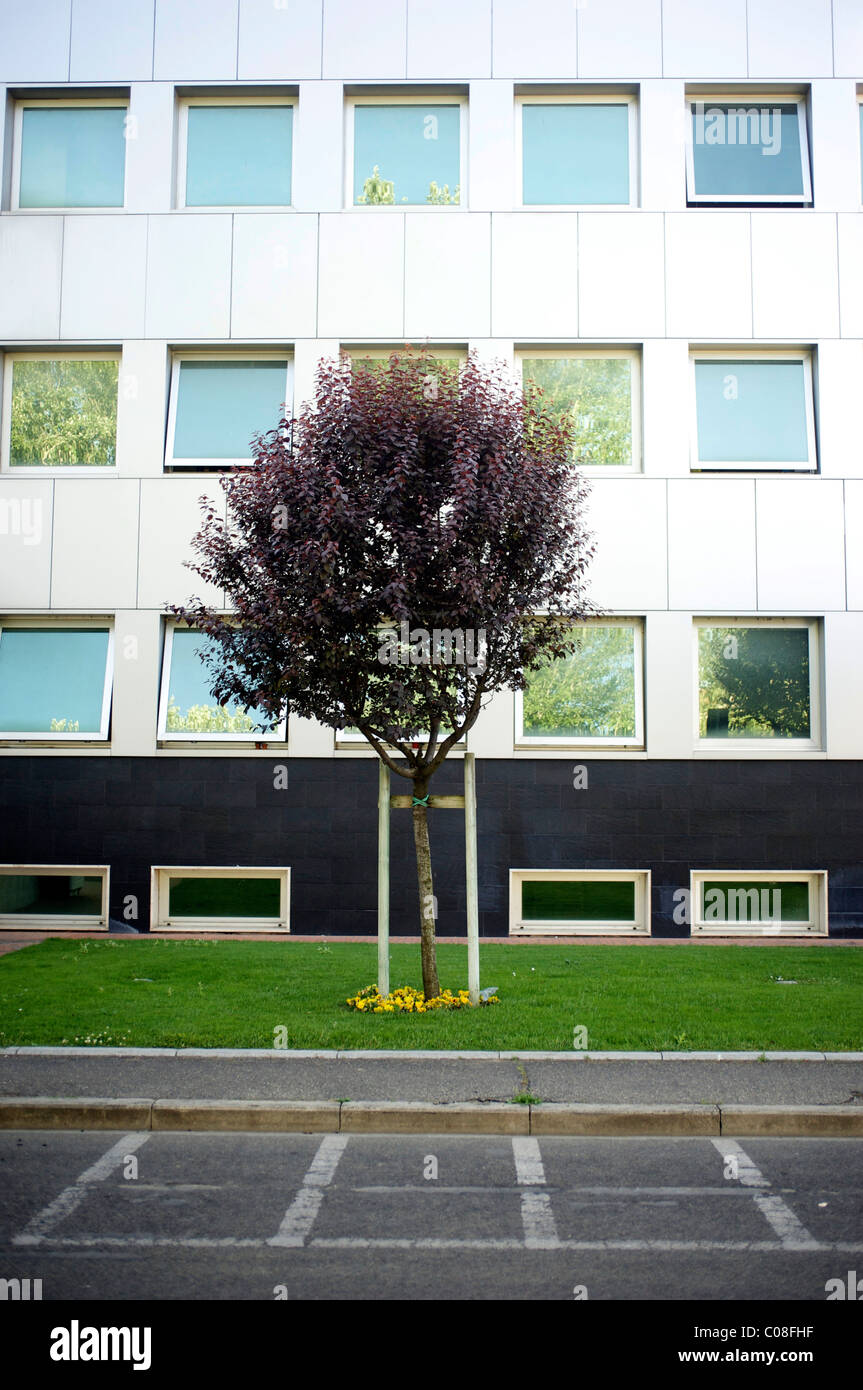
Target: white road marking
[(300, 1216), (775, 1210), (540, 1231), (39, 1226), (432, 1243)]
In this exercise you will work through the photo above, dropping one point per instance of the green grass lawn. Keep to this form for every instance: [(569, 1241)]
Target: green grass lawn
[(161, 993)]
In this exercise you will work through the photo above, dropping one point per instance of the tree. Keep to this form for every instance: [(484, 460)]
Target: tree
[(413, 542)]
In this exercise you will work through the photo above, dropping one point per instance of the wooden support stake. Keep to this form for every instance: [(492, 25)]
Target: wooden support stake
[(470, 859), (383, 878)]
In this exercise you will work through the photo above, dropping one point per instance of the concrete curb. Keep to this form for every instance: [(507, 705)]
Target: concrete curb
[(420, 1117), (405, 1055)]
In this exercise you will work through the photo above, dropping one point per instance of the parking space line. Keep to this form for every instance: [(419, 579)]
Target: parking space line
[(300, 1216), (39, 1226), (775, 1210), (766, 1247), (540, 1231)]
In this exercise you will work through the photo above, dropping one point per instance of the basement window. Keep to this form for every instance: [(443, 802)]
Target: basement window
[(769, 903), (551, 901), (56, 896), (220, 899)]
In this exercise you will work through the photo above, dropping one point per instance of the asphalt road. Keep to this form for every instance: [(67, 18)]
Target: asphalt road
[(171, 1216)]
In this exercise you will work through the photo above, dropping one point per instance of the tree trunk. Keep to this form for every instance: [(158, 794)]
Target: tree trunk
[(431, 984)]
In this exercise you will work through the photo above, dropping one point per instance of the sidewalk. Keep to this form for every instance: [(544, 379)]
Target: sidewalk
[(815, 1094)]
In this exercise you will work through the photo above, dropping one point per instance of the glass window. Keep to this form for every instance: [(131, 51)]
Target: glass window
[(551, 900), (71, 895), (407, 153), (755, 682), (62, 412), (238, 155), (188, 709), (221, 899), (217, 406), (860, 118), (778, 902), (754, 413), (575, 152), (594, 695), (55, 682), (72, 156), (748, 151), (598, 392)]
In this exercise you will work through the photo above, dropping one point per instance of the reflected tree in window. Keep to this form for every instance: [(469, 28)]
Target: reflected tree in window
[(64, 412), (589, 694), (595, 393), (753, 682)]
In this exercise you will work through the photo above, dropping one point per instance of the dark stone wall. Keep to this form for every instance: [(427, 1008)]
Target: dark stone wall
[(666, 816)]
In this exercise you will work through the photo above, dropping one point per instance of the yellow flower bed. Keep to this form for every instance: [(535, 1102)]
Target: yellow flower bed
[(408, 1000)]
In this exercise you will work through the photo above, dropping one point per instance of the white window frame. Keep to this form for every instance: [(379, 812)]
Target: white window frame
[(121, 103), (160, 917), (640, 877), (42, 470), (177, 359), (860, 144), (577, 99), (764, 747), (570, 350), (818, 919), (523, 740), (803, 355), (23, 921), (429, 98), (183, 152), (748, 99), (57, 624), (277, 736)]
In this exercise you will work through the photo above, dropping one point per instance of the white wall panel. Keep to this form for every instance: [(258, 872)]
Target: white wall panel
[(189, 276), (279, 43), (361, 275), (25, 542), (309, 739), (317, 176), (364, 41), (534, 281), (137, 665), (308, 352), (274, 285), (447, 264), (34, 41), (790, 38), (449, 40), (112, 42), (851, 274), (142, 408), (847, 38), (854, 543), (627, 517), (195, 40), (493, 734), (708, 275), (704, 40), (800, 544), (150, 148), (491, 131), (840, 408), (836, 144), (669, 687), (95, 543), (104, 261), (170, 518), (621, 287), (794, 272), (711, 544), (662, 121), (30, 258), (666, 407), (843, 643), (535, 41), (620, 38)]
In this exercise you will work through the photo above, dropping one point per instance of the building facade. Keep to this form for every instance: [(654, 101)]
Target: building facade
[(650, 207)]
